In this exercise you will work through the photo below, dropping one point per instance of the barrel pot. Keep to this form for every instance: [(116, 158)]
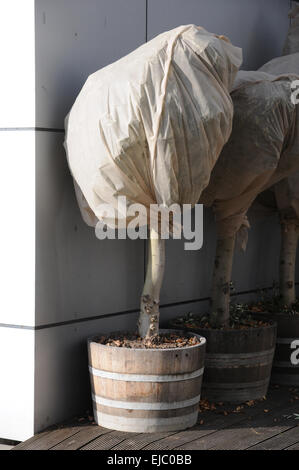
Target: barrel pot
[(238, 363), (146, 390), (285, 366)]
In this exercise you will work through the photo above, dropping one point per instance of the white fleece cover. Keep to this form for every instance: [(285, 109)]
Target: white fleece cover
[(152, 125), (262, 150), (287, 190)]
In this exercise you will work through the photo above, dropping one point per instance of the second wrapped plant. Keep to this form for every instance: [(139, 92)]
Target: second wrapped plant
[(262, 150)]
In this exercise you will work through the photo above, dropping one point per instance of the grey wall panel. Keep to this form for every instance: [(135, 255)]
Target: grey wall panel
[(258, 26), (61, 373), (188, 274), (258, 266), (73, 277), (74, 38), (77, 275)]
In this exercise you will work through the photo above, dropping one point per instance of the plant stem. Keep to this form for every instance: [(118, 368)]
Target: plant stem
[(289, 240), (149, 309), (221, 281)]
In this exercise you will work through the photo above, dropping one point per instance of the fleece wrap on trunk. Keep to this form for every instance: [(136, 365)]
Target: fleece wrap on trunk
[(152, 125), (287, 190), (262, 150)]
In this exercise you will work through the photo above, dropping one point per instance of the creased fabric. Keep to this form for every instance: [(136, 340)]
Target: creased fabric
[(152, 125), (286, 191), (262, 150), (282, 198)]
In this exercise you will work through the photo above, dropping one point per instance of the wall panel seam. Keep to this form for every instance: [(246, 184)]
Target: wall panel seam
[(37, 129), (126, 312)]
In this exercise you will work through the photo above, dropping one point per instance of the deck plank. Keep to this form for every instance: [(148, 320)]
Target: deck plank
[(213, 423), (140, 441), (222, 428), (293, 447), (45, 442), (108, 441), (29, 442), (85, 436), (246, 434), (279, 442)]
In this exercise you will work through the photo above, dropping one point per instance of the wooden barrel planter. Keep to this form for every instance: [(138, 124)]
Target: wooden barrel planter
[(285, 365), (238, 363), (146, 390)]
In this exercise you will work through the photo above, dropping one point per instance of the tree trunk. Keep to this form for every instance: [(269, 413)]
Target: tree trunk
[(289, 239), (149, 310), (221, 281)]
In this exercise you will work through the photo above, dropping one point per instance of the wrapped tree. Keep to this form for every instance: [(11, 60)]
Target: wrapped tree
[(291, 45), (262, 150), (287, 199), (283, 198), (287, 191), (150, 128)]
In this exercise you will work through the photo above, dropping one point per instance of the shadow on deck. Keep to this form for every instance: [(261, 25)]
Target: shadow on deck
[(269, 424)]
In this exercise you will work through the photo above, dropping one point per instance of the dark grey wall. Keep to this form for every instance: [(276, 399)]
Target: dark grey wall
[(258, 26), (84, 286)]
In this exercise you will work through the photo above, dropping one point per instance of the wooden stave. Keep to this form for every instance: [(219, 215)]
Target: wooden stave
[(175, 423), (284, 372), (226, 342), (147, 414), (252, 340), (287, 331), (250, 383), (113, 359), (246, 392), (153, 420), (164, 390)]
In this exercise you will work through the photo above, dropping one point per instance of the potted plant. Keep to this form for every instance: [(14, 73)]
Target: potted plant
[(281, 303), (240, 347), (149, 129)]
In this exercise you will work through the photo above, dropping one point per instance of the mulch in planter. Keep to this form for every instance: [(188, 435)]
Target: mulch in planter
[(274, 304), (163, 341), (240, 319)]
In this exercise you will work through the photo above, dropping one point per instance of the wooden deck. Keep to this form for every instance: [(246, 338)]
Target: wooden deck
[(269, 424)]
